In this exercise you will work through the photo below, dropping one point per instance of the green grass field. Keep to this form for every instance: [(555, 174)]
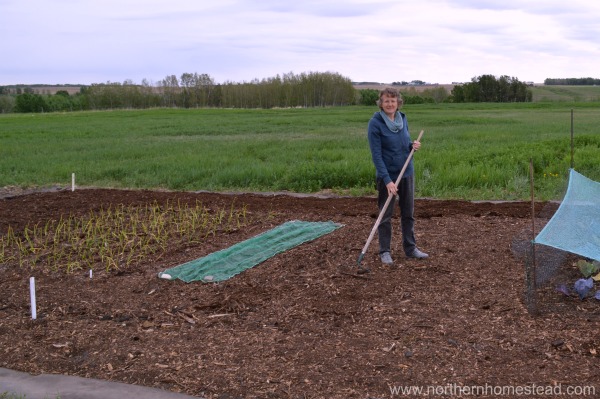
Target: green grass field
[(470, 151), (565, 93)]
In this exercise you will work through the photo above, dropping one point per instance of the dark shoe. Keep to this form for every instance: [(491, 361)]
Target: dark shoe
[(416, 254), (386, 258)]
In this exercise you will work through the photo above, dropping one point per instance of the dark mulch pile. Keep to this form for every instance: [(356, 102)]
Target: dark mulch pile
[(302, 324)]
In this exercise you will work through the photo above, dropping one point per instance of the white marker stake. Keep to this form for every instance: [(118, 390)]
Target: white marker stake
[(90, 274), (72, 181), (32, 295)]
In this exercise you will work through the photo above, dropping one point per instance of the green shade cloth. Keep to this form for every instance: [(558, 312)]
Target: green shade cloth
[(224, 264), (575, 227)]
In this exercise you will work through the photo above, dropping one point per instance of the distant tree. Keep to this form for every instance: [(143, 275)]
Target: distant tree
[(7, 104), (28, 102), (503, 89), (61, 101), (437, 94), (196, 89), (368, 96), (487, 88), (314, 89), (169, 88), (458, 94), (573, 81)]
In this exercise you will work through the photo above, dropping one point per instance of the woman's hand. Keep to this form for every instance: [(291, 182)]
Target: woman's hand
[(392, 189), (416, 145)]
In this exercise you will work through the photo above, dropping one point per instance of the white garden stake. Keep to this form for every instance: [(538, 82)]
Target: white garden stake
[(32, 295), (72, 181)]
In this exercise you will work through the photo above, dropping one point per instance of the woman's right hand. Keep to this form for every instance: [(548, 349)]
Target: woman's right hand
[(392, 189)]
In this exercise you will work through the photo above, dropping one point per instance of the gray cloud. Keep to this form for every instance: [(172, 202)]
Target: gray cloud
[(240, 40)]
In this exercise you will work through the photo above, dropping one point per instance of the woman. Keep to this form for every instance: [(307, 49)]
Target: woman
[(391, 145)]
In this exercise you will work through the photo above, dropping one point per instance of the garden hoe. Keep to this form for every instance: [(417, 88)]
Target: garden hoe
[(363, 270)]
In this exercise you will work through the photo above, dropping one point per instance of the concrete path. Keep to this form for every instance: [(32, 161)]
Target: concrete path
[(54, 386)]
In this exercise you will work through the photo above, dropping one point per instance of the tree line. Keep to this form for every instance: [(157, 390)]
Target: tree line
[(434, 95), (487, 88), (573, 81), (193, 90)]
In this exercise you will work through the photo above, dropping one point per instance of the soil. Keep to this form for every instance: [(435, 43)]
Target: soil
[(304, 324)]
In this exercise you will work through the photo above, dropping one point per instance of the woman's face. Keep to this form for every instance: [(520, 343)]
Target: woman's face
[(389, 105)]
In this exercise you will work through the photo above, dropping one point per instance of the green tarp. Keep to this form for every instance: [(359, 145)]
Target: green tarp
[(228, 262)]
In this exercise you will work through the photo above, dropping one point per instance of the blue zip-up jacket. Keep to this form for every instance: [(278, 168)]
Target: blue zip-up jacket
[(389, 150)]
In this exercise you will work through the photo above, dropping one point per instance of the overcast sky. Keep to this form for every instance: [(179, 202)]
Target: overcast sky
[(97, 41)]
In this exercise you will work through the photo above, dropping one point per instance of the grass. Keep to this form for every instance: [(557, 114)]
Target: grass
[(470, 151), (565, 93)]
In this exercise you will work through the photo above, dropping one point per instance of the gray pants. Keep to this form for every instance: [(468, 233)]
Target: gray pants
[(406, 194)]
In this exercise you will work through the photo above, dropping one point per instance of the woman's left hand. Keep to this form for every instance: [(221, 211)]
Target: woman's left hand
[(416, 145)]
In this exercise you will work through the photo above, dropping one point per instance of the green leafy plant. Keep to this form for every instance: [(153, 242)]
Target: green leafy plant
[(588, 269), (117, 237)]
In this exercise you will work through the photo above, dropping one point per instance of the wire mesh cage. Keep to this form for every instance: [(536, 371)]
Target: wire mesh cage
[(561, 249)]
